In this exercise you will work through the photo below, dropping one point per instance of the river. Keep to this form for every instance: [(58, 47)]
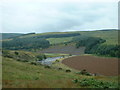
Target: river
[(49, 61)]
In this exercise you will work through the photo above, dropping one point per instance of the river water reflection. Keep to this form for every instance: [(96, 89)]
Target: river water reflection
[(48, 61)]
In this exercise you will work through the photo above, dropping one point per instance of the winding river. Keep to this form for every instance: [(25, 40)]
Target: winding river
[(49, 61)]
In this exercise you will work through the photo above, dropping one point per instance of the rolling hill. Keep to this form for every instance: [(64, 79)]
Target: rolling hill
[(111, 36), (21, 52), (94, 40), (9, 35)]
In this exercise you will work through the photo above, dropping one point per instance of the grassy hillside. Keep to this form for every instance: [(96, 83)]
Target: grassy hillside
[(59, 40), (23, 75), (111, 36), (23, 56), (18, 74), (48, 33)]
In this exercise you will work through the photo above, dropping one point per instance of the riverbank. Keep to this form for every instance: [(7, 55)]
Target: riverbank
[(58, 64)]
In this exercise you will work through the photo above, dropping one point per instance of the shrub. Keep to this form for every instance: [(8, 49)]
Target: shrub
[(6, 53), (91, 82), (63, 56), (33, 63), (68, 70), (84, 83), (70, 54), (36, 78), (9, 56), (59, 68), (44, 56), (40, 57), (16, 53), (57, 61), (84, 72), (18, 60), (24, 60), (75, 80), (47, 66)]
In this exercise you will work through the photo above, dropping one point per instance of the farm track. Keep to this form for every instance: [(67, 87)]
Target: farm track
[(99, 65)]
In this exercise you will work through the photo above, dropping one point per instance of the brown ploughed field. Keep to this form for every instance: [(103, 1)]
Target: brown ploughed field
[(99, 65)]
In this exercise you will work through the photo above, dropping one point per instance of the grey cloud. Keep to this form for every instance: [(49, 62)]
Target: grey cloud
[(49, 17)]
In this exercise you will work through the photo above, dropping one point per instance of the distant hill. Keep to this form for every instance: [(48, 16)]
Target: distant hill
[(96, 42), (107, 30), (9, 35), (110, 35)]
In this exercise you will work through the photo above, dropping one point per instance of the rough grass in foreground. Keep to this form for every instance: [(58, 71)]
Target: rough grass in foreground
[(24, 75), (20, 75)]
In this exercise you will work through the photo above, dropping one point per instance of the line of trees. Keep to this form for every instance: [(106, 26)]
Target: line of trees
[(25, 43), (33, 42), (88, 42), (107, 50), (57, 35), (94, 46)]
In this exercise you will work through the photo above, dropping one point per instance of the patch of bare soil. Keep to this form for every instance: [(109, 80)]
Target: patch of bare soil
[(99, 65), (69, 49)]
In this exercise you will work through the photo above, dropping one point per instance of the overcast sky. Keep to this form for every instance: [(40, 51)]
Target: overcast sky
[(39, 16)]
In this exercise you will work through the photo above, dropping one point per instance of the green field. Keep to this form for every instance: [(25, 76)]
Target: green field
[(47, 33), (59, 40), (111, 37)]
